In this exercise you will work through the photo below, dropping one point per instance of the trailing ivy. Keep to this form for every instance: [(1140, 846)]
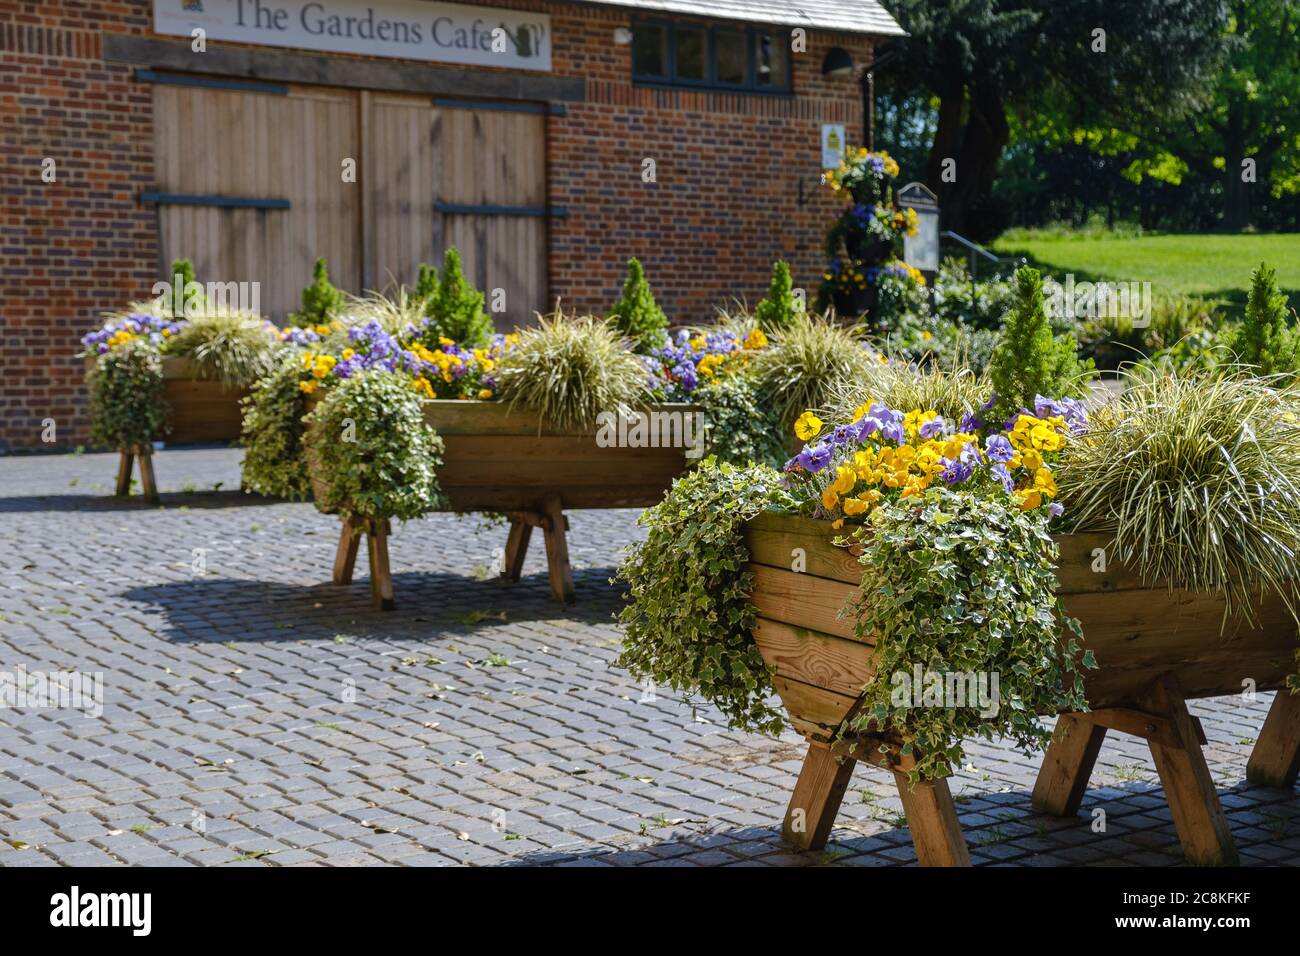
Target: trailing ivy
[(127, 403), (688, 618), (273, 433), (960, 584), (374, 453), (739, 428)]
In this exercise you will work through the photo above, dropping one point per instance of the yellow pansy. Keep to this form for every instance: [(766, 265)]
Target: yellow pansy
[(807, 426)]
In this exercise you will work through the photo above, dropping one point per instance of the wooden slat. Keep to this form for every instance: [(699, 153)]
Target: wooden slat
[(486, 448), (777, 540), (466, 498), (802, 600), (1275, 759), (451, 417), (821, 660), (822, 709), (558, 475)]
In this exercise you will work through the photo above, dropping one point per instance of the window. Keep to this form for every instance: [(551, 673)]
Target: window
[(650, 50), (753, 59), (692, 49), (771, 60)]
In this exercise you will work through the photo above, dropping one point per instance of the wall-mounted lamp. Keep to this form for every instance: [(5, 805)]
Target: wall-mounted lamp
[(837, 63), (622, 36)]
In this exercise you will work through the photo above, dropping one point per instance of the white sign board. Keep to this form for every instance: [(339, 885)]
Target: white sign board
[(832, 145), (409, 29), (922, 250)]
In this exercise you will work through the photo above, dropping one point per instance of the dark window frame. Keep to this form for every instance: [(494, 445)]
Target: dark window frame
[(749, 32)]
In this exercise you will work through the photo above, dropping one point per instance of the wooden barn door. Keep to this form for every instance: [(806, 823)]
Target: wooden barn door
[(250, 186), (492, 200)]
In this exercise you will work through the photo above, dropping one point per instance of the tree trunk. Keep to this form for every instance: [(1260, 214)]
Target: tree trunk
[(984, 137), (1236, 201), (947, 141)]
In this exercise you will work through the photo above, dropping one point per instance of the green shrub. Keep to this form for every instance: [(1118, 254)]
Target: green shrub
[(688, 619), (1264, 340), (273, 432), (636, 315), (807, 364), (569, 370), (426, 283), (191, 291), (374, 450), (455, 310), (320, 300), (127, 402), (1198, 479), (1028, 361), (778, 310), (958, 582), (236, 348)]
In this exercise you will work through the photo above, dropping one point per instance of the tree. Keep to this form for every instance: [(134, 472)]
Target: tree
[(1142, 61), (320, 300), (636, 314), (777, 311), (456, 307), (1265, 339), (1028, 361)]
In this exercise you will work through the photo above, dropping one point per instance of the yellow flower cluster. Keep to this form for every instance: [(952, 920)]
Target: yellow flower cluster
[(319, 365), (1032, 437), (907, 220)]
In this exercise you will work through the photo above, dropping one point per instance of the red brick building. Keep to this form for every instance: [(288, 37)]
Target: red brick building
[(548, 141)]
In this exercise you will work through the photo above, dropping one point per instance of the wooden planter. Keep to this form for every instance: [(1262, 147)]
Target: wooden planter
[(499, 460), (1155, 649), (199, 410)]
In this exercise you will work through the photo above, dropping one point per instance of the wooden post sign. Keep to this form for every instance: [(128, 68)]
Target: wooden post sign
[(922, 250)]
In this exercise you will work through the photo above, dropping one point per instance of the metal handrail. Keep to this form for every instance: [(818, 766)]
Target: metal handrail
[(974, 247)]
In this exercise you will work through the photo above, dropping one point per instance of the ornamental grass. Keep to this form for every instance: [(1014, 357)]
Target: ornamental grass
[(1198, 479), (808, 363), (236, 348), (953, 394), (569, 369)]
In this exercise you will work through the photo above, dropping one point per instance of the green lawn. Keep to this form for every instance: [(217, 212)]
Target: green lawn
[(1215, 266)]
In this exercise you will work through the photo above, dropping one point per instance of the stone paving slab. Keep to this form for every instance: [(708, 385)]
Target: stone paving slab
[(254, 714)]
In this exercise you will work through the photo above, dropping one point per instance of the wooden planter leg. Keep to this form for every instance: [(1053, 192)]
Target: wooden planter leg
[(147, 483), (516, 548), (1189, 788), (817, 797), (557, 549), (932, 818), (124, 466), (1275, 760), (1067, 765), (345, 559), (381, 575)]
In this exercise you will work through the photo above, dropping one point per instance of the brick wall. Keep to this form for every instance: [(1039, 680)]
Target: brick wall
[(725, 203)]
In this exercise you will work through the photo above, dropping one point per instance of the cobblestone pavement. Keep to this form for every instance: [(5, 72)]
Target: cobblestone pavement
[(256, 715)]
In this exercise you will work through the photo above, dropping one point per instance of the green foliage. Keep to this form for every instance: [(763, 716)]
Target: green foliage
[(191, 290), (1198, 479), (320, 300), (374, 452), (688, 619), (455, 310), (739, 428), (808, 363), (950, 393), (127, 403), (636, 315), (778, 310), (958, 583), (1028, 361), (1264, 340), (236, 348), (426, 283), (273, 434), (569, 370)]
